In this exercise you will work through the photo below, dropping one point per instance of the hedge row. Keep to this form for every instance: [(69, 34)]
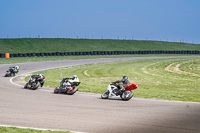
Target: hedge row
[(2, 55)]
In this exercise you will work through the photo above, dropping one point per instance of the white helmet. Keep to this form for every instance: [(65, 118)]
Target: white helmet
[(74, 76), (41, 75), (17, 67)]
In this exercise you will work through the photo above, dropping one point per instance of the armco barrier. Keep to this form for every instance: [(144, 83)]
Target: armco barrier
[(97, 53)]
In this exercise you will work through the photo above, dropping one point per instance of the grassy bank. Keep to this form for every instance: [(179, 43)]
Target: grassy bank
[(20, 130), (172, 79), (39, 45)]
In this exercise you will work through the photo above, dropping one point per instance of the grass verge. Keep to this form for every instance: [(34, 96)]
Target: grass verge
[(171, 79), (20, 130)]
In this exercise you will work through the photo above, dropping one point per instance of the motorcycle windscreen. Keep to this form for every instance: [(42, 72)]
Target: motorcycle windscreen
[(131, 86)]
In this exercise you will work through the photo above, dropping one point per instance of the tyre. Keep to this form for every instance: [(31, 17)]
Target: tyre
[(35, 86), (56, 90), (12, 74), (26, 86), (72, 92), (105, 95), (127, 95)]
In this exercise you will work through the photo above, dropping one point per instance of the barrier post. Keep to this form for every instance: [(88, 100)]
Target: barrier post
[(7, 55)]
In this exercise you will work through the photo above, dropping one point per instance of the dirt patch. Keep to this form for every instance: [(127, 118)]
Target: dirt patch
[(177, 70), (146, 72), (86, 74)]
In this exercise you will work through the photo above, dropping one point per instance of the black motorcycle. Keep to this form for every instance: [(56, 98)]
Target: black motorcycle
[(67, 87), (34, 82), (10, 72)]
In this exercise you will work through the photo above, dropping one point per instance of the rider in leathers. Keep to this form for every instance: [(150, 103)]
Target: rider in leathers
[(15, 69), (125, 82), (72, 79), (41, 78)]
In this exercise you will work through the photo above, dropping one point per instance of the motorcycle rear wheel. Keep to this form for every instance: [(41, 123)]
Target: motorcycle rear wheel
[(127, 95), (56, 90), (26, 86), (105, 95)]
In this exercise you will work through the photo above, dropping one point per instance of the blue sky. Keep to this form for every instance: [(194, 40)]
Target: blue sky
[(166, 20)]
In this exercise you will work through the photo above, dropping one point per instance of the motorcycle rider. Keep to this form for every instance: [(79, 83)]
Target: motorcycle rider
[(125, 82), (72, 80), (41, 78), (15, 69)]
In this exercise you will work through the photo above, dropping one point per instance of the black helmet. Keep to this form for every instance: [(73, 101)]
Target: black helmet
[(124, 78)]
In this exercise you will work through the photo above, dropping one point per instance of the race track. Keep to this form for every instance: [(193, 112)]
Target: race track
[(89, 113)]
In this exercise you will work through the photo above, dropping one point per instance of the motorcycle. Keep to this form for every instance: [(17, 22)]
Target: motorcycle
[(125, 94), (67, 87), (34, 82), (10, 72)]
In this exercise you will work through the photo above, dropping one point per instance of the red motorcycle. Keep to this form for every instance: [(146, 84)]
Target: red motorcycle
[(125, 94)]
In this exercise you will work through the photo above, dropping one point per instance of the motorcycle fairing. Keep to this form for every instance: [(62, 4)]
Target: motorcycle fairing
[(130, 87), (110, 88)]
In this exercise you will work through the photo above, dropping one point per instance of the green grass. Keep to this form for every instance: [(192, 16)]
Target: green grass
[(20, 130), (37, 45), (171, 79)]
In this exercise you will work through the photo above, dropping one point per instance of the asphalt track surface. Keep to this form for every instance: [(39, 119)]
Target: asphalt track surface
[(90, 113)]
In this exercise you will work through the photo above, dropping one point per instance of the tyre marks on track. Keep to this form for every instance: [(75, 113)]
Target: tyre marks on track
[(175, 68)]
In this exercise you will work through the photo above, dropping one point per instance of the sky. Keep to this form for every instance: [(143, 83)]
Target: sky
[(161, 20)]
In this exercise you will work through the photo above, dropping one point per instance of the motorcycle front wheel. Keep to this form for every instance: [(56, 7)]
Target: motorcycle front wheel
[(71, 92), (105, 95), (127, 95), (34, 86), (12, 74)]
